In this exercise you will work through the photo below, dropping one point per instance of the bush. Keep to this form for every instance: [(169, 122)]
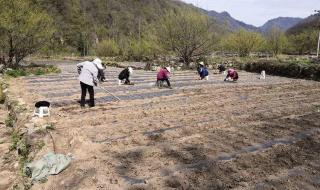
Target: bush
[(9, 122), (286, 69), (141, 50), (108, 48), (16, 73), (243, 42), (32, 70)]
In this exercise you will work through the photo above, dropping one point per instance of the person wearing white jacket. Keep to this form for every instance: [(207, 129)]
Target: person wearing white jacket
[(88, 78)]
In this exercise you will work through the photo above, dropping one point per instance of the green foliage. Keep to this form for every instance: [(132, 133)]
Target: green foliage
[(9, 122), (32, 70), (140, 49), (108, 48), (15, 138), (81, 24), (16, 72), (42, 70), (186, 33), (24, 29), (293, 69), (276, 41), (243, 42), (304, 42)]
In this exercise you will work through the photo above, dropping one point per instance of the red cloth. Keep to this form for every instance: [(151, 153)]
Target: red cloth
[(162, 74)]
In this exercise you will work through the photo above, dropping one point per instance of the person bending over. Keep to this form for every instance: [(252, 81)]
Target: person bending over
[(203, 72), (124, 76), (88, 78), (164, 75), (232, 75)]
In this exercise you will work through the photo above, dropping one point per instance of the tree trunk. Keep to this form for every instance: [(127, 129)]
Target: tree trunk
[(186, 61), (11, 53)]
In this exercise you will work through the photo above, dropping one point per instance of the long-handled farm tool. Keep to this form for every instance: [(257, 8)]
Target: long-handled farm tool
[(116, 97)]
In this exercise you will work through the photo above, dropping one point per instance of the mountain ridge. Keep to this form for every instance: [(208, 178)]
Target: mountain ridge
[(283, 23)]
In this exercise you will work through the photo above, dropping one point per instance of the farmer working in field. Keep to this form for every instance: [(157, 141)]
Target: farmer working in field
[(164, 75), (232, 75), (203, 72), (125, 75), (89, 73), (221, 68)]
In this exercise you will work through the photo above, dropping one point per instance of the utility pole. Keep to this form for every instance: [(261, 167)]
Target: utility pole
[(318, 49)]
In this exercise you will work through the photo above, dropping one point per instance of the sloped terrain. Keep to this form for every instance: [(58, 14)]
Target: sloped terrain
[(253, 134)]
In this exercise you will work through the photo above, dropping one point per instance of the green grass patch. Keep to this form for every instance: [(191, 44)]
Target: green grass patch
[(15, 138), (9, 122), (16, 73), (32, 70)]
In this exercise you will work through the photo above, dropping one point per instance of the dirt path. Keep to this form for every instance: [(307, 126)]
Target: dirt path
[(253, 134)]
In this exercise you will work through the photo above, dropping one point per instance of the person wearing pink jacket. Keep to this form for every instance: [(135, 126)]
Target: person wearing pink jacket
[(232, 75), (163, 75)]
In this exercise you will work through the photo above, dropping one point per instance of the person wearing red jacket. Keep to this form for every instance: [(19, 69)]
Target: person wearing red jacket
[(232, 75), (164, 75)]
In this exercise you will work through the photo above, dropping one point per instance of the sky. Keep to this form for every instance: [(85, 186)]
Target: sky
[(257, 12)]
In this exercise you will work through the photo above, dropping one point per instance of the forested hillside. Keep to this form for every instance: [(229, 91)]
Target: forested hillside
[(310, 23), (83, 23), (138, 30), (283, 23)]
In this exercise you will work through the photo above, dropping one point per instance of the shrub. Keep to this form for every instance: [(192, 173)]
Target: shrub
[(286, 69), (243, 42), (16, 73), (9, 122), (141, 50), (32, 70), (108, 48)]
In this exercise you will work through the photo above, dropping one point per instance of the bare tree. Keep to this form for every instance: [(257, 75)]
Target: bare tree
[(186, 33)]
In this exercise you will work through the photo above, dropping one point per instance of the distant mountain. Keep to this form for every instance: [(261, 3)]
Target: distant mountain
[(224, 18), (231, 23), (311, 22), (283, 23)]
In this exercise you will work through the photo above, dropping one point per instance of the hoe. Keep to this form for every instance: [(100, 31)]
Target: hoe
[(116, 97)]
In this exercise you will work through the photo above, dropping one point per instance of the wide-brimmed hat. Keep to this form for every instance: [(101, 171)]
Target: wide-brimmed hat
[(98, 63), (130, 70)]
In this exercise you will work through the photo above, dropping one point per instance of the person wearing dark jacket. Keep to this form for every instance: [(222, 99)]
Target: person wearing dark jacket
[(124, 76), (203, 71), (221, 68)]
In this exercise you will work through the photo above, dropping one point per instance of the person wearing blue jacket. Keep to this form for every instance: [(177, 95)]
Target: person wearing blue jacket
[(203, 71)]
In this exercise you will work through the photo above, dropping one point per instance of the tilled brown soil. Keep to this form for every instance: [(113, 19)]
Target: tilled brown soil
[(253, 134)]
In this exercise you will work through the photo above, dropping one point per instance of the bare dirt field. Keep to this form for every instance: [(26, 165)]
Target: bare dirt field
[(253, 134)]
